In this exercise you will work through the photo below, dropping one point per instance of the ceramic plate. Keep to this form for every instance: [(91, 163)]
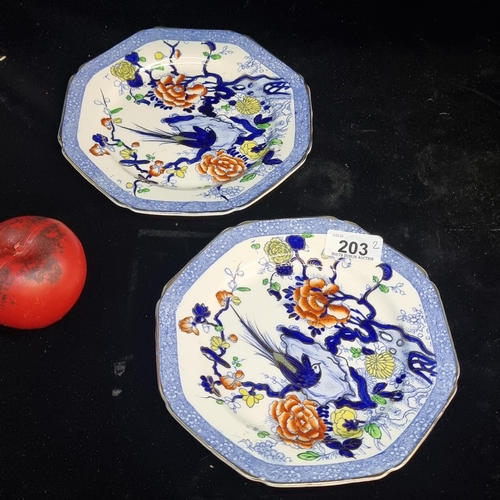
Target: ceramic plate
[(186, 122), (299, 368)]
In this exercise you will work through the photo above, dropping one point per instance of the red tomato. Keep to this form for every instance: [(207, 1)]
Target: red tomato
[(42, 271)]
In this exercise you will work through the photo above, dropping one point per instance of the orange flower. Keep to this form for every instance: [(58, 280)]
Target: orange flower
[(221, 167), (156, 169), (223, 296), (174, 93), (311, 303), (231, 382), (233, 337), (299, 422), (106, 122), (187, 325), (98, 150)]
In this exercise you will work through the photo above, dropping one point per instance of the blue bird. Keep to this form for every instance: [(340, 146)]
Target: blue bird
[(301, 374), (197, 137)]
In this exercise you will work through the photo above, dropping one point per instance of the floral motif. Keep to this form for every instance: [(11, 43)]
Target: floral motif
[(173, 92), (218, 343), (250, 399), (278, 251), (178, 171), (220, 127), (127, 154), (252, 150), (312, 302), (106, 122), (296, 242), (380, 365), (222, 167), (157, 168), (188, 325), (124, 71), (98, 150), (322, 367), (223, 296), (232, 381), (345, 423), (248, 105), (299, 422)]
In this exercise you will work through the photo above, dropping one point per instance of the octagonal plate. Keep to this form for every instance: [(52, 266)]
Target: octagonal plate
[(298, 368), (186, 122)]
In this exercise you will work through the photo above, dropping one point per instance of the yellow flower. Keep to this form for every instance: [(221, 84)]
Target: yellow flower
[(247, 149), (117, 120), (180, 172), (216, 342), (380, 365), (159, 56), (340, 426), (250, 399), (129, 185), (123, 70), (248, 106), (279, 251), (236, 300), (126, 154)]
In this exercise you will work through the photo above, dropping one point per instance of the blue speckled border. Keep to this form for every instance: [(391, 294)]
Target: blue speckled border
[(288, 475), (71, 118)]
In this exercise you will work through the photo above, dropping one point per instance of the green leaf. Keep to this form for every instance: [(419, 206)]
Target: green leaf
[(274, 142), (129, 98), (138, 97), (219, 401), (307, 235), (373, 430), (375, 279), (142, 59), (309, 456), (116, 110), (384, 288), (263, 434), (265, 281), (159, 68), (235, 358), (237, 365), (248, 177), (119, 144), (215, 56), (206, 54), (243, 289), (378, 399), (356, 353), (276, 286), (226, 107), (219, 328), (255, 246), (263, 126)]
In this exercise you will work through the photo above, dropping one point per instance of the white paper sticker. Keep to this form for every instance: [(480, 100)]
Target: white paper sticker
[(353, 245)]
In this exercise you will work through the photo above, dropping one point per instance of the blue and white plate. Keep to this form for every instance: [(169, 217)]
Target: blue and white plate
[(186, 122), (297, 367)]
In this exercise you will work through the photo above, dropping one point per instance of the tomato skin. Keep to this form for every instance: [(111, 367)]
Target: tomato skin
[(42, 271)]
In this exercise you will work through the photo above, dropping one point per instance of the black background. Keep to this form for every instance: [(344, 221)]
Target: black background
[(406, 144)]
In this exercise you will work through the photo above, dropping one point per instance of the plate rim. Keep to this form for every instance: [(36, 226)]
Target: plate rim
[(421, 439)]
